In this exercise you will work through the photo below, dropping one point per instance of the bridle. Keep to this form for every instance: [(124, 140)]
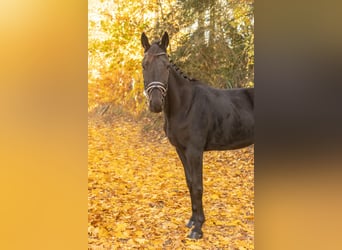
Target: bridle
[(156, 85)]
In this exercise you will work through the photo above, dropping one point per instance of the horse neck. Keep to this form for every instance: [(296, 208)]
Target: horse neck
[(177, 86)]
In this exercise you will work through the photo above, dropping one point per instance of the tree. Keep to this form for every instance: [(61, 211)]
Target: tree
[(211, 40), (219, 35)]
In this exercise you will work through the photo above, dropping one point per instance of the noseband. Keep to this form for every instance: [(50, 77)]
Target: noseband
[(156, 85)]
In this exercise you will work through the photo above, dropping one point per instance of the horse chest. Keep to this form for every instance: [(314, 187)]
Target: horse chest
[(173, 138), (176, 135)]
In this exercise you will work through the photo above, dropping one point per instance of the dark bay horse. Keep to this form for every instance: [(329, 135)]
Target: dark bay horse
[(197, 118)]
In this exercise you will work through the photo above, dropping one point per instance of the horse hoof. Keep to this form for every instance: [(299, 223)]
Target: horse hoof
[(195, 235), (190, 224)]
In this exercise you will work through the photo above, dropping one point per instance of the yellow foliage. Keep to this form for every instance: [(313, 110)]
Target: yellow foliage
[(115, 51), (137, 194)]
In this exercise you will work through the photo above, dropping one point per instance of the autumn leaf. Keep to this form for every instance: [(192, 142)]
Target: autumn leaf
[(137, 194)]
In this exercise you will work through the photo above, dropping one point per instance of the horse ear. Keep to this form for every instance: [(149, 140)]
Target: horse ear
[(144, 41), (165, 41)]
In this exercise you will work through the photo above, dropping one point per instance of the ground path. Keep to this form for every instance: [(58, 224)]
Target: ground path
[(137, 194)]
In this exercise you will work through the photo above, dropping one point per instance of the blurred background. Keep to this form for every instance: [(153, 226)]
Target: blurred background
[(210, 40)]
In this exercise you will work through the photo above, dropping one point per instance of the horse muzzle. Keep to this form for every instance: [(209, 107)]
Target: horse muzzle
[(156, 103), (155, 93)]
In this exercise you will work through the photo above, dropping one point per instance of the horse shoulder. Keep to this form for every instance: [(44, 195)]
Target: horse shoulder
[(189, 124)]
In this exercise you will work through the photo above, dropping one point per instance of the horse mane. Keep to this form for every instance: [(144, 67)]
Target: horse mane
[(174, 66), (179, 71)]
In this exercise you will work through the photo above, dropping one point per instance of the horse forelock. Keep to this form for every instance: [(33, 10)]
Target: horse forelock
[(155, 48)]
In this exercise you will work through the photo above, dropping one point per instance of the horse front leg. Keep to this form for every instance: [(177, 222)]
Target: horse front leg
[(188, 177), (195, 163)]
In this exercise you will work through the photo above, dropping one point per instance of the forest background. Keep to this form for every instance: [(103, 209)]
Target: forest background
[(210, 40), (137, 195)]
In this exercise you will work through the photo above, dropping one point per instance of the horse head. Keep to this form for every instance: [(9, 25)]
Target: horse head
[(155, 71)]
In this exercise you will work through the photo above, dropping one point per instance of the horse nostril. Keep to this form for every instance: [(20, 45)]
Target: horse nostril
[(155, 105)]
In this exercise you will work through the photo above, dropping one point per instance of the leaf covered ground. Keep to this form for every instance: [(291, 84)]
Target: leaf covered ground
[(137, 194)]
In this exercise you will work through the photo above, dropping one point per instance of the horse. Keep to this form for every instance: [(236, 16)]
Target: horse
[(197, 118)]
